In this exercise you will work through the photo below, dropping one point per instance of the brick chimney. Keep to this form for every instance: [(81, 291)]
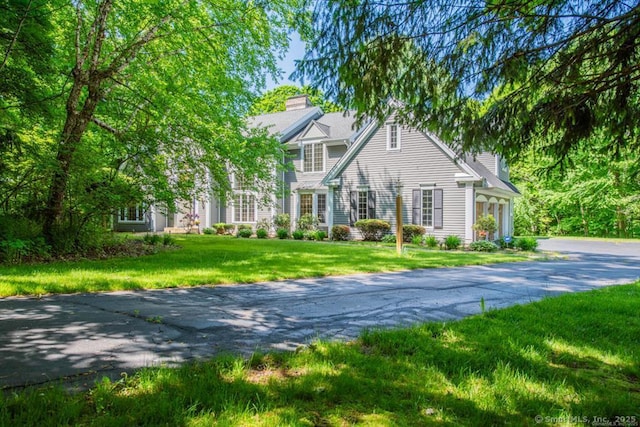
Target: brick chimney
[(298, 102)]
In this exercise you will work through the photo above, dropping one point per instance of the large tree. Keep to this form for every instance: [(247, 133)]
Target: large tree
[(273, 101), (487, 74), (151, 100)]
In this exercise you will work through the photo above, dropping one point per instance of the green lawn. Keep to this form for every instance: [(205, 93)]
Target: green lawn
[(577, 355), (213, 260)]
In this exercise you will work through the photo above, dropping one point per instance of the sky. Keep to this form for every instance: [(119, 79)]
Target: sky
[(287, 64)]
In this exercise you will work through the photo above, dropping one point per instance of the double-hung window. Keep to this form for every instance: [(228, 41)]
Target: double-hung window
[(428, 207), (393, 137), (244, 201), (313, 157)]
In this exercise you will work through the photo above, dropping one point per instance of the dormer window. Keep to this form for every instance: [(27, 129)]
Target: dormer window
[(393, 137), (313, 157)]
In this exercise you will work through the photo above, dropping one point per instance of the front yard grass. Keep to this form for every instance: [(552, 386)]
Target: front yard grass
[(214, 260), (571, 360)]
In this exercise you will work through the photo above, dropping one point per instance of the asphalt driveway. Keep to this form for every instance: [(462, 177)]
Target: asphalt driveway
[(78, 338)]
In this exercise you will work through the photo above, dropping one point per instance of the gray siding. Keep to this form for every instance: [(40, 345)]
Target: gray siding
[(488, 160), (419, 161)]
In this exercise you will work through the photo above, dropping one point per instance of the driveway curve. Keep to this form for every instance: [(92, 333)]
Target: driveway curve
[(78, 338)]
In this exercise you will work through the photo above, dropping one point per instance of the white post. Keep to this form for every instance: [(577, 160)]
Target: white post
[(469, 207), (330, 210)]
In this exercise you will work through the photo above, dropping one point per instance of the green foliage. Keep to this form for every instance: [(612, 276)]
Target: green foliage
[(526, 243), (298, 235), (409, 231), (388, 238), (273, 100), (372, 229), (340, 232), (207, 230), (244, 231), (282, 233), (261, 233), (168, 240), (431, 242), (282, 221), (483, 246), (452, 242), (502, 243), (152, 239), (245, 227), (418, 240), (318, 235), (308, 222), (263, 224), (517, 73), (485, 225), (76, 144)]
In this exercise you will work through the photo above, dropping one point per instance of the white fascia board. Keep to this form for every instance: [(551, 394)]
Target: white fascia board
[(297, 126), (452, 155), (351, 152)]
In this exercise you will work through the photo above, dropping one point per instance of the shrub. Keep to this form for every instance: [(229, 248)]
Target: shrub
[(207, 230), (222, 228), (282, 221), (245, 227), (282, 233), (263, 224), (19, 250), (152, 239), (307, 222), (298, 234), (431, 242), (340, 232), (244, 232), (417, 240), (389, 238), (483, 246), (167, 240), (526, 243), (502, 243), (261, 233), (452, 242), (319, 235), (373, 229), (410, 231)]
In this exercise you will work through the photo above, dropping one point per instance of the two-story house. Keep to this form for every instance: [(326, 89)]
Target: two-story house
[(342, 174)]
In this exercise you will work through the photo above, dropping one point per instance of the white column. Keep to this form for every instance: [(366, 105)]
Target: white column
[(469, 206), (330, 209)]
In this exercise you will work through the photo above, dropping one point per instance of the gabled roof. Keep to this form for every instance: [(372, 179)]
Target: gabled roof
[(286, 124), (289, 124), (491, 179)]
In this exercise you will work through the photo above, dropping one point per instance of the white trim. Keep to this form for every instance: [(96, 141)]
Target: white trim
[(233, 207), (324, 156), (469, 212), (398, 146), (330, 196), (131, 221)]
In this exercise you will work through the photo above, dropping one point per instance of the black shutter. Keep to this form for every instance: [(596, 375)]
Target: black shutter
[(416, 207), (354, 208), (371, 204), (437, 209)]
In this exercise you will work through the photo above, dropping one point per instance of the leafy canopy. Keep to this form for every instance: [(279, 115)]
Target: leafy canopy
[(486, 75), (273, 101)]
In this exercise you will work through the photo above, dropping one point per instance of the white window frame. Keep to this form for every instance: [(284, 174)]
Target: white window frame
[(234, 207), (123, 215), (422, 208), (313, 158), (360, 213), (398, 130)]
